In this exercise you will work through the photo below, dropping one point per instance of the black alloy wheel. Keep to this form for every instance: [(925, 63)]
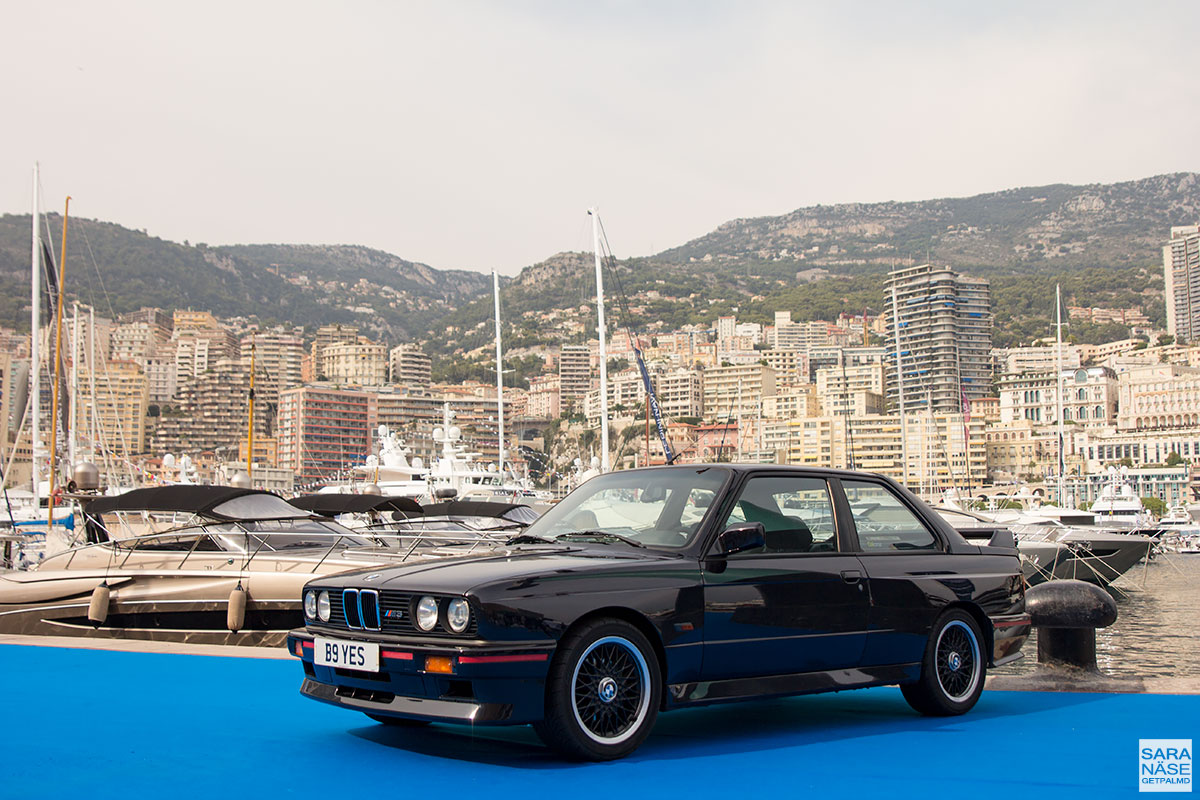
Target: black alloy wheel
[(602, 693), (953, 668)]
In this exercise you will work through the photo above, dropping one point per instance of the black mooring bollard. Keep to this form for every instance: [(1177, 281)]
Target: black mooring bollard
[(1066, 614)]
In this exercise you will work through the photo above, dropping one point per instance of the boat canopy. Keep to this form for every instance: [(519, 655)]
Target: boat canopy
[(516, 512), (220, 502), (330, 505)]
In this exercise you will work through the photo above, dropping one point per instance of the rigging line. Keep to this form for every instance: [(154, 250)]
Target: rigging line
[(113, 316), (95, 266), (12, 457), (846, 408), (623, 302)]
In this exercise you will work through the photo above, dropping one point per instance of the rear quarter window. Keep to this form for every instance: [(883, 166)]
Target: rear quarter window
[(883, 522)]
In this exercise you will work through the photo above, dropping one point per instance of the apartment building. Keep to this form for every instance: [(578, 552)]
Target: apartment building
[(1181, 271), (575, 374), (213, 411), (277, 359), (736, 390), (411, 367), (857, 389), (111, 413), (1159, 396), (1090, 396), (945, 337), (322, 431), (791, 366), (360, 363)]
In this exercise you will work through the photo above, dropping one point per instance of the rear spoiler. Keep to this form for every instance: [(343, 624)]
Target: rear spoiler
[(1003, 538), (997, 536)]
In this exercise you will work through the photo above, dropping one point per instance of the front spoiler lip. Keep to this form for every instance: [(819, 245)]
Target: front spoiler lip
[(445, 710)]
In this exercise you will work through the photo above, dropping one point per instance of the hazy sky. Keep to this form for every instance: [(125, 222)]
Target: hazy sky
[(475, 135)]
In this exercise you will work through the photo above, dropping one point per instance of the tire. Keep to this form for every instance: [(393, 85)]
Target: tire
[(952, 670), (398, 722), (602, 692)]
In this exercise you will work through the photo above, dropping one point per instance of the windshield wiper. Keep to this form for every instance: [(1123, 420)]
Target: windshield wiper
[(598, 536), (528, 538)]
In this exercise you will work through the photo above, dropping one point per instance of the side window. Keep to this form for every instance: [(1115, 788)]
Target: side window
[(796, 514), (883, 522)]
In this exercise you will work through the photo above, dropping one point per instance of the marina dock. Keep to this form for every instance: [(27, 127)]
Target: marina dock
[(131, 722)]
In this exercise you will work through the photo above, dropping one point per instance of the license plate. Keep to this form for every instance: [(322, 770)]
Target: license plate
[(362, 656)]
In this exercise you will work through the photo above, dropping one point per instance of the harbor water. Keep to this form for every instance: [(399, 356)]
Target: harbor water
[(1155, 635)]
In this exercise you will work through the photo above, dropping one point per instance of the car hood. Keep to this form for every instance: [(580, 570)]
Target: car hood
[(460, 575)]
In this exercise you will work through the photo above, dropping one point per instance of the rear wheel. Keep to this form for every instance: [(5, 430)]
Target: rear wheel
[(952, 670), (398, 722), (602, 692)]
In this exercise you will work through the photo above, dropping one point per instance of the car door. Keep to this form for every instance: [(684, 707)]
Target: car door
[(910, 574), (797, 604)]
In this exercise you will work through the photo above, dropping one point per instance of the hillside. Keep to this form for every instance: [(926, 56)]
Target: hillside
[(119, 270), (1054, 227), (1101, 241)]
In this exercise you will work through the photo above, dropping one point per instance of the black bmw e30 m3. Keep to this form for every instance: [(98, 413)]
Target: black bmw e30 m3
[(653, 589)]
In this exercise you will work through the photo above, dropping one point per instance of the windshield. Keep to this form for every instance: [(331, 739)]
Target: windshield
[(653, 507), (286, 534)]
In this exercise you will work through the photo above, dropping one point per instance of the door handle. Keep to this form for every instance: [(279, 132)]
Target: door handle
[(851, 576)]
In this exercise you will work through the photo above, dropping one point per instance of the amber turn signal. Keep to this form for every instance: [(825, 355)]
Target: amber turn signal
[(299, 649), (442, 664)]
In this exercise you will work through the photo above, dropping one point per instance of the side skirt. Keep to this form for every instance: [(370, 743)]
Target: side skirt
[(703, 692)]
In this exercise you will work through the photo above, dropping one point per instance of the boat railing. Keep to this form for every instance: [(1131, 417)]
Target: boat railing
[(242, 545)]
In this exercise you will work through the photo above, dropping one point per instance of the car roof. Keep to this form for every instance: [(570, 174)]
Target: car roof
[(743, 467)]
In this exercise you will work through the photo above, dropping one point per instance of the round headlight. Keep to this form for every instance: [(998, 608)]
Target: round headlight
[(323, 606), (458, 614), (310, 604), (427, 613)]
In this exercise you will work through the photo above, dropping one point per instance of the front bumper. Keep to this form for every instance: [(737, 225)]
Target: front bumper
[(485, 684), (1009, 633)]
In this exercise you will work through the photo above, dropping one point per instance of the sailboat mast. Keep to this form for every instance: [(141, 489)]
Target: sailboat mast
[(73, 400), (62, 272), (499, 381), (250, 434), (35, 343), (604, 462), (1062, 460), (900, 380), (94, 421)]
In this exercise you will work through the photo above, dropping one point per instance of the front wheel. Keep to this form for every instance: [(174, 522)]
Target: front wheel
[(952, 670), (602, 692)]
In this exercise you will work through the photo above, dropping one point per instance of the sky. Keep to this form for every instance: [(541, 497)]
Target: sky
[(475, 135)]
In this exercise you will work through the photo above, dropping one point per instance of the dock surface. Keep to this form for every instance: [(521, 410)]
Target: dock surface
[(101, 723)]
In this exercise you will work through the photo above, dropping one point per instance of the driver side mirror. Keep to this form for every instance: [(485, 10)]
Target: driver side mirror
[(740, 537)]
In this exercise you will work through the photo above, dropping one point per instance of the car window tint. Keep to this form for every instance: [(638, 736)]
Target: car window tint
[(882, 520), (796, 514)]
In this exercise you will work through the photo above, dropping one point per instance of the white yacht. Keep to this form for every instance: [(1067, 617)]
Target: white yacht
[(456, 473), (1118, 505)]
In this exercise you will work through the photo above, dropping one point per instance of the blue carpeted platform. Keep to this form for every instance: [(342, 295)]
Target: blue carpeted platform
[(93, 724)]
